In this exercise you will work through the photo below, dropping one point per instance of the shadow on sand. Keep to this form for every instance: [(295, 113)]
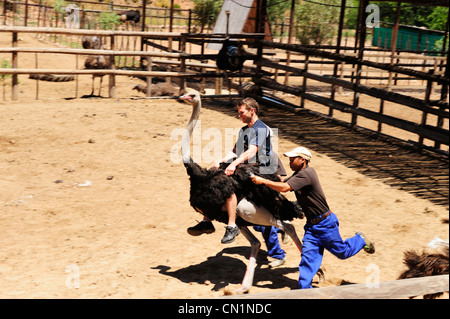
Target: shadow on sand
[(222, 270)]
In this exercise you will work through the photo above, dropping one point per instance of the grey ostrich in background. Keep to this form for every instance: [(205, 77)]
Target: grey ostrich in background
[(96, 62)]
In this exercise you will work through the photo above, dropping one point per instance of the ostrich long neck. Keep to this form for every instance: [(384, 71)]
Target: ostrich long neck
[(185, 142)]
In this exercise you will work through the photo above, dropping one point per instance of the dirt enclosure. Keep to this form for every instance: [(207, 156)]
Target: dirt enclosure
[(95, 205)]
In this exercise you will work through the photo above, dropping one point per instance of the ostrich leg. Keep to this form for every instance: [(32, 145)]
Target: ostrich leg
[(290, 230), (258, 215), (100, 88), (92, 93), (247, 282)]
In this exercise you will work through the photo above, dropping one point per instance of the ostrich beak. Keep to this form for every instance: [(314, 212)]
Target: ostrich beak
[(186, 97)]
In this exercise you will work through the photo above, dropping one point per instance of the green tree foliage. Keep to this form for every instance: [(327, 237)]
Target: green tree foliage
[(278, 10), (430, 17), (206, 12), (108, 20), (316, 22)]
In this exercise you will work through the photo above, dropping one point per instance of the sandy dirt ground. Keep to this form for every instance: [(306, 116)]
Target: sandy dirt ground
[(94, 202)]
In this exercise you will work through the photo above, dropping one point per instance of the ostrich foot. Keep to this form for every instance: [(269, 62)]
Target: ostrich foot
[(240, 291)]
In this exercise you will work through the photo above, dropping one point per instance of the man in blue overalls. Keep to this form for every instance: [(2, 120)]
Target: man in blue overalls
[(274, 250), (322, 226)]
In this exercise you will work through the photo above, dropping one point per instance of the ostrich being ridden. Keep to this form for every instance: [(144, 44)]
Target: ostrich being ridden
[(257, 204)]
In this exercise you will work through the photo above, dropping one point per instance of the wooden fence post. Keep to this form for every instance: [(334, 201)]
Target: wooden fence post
[(291, 31), (112, 77), (425, 113), (302, 99), (15, 62), (381, 111), (36, 64), (361, 42), (4, 12), (25, 22), (76, 76), (149, 78), (183, 64)]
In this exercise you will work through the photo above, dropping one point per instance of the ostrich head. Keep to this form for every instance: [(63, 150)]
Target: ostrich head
[(192, 97)]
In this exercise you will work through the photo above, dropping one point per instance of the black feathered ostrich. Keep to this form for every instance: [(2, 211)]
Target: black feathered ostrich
[(231, 57), (130, 16), (257, 204)]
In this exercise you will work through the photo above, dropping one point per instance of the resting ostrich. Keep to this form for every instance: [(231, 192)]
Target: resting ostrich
[(427, 263), (257, 204), (159, 89), (91, 43)]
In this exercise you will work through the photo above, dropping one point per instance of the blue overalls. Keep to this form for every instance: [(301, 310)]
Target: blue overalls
[(270, 235), (325, 234)]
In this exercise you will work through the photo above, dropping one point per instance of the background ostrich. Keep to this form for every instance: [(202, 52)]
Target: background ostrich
[(91, 42), (231, 57), (257, 204), (159, 89), (427, 263), (95, 61), (130, 16)]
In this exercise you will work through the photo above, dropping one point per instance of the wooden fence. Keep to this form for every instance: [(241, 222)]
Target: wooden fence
[(396, 289), (265, 72), (182, 60), (438, 108), (27, 13)]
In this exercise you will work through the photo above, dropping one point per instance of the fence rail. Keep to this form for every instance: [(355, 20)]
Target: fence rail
[(48, 15), (424, 130), (178, 58), (396, 289), (264, 73)]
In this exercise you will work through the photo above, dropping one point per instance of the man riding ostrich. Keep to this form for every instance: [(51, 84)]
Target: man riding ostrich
[(256, 204)]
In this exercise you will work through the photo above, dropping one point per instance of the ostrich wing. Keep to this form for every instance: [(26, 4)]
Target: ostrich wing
[(209, 191)]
